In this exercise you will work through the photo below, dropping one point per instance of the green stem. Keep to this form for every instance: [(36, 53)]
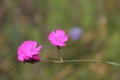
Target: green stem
[(112, 63), (58, 54), (68, 61)]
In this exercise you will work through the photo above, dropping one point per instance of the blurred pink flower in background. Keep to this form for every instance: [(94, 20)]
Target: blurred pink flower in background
[(28, 52), (58, 38)]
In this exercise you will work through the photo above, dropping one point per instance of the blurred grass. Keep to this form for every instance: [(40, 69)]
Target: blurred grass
[(34, 19)]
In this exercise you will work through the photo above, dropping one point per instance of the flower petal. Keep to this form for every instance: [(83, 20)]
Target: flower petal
[(51, 35), (36, 57), (61, 44), (65, 38), (20, 58), (60, 32), (38, 48), (34, 44)]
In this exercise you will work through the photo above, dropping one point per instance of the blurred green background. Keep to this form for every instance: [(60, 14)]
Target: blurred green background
[(33, 20)]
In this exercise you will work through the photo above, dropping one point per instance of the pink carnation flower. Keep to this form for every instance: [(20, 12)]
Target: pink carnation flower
[(28, 52), (58, 38)]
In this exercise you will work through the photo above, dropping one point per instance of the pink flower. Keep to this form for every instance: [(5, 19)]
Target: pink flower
[(28, 52), (58, 38)]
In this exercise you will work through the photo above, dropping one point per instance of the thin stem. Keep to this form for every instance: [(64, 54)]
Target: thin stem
[(58, 54), (68, 61), (112, 63), (82, 61)]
